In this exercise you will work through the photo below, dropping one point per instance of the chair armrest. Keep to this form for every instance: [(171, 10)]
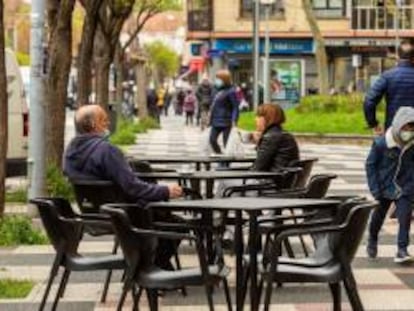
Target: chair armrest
[(85, 222), (273, 218), (164, 234), (243, 188), (284, 227), (242, 168), (94, 216)]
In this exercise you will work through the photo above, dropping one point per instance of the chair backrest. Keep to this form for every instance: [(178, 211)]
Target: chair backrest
[(138, 252), (343, 245), (318, 186), (63, 236), (303, 176), (92, 194)]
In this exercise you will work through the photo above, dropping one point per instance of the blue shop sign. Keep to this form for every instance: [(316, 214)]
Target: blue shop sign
[(277, 46)]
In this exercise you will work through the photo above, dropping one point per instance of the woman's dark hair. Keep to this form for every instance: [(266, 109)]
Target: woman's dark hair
[(272, 113)]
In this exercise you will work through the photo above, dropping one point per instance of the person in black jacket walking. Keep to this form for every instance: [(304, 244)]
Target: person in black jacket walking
[(396, 85), (224, 110)]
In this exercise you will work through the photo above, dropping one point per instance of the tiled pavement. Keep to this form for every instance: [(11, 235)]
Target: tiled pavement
[(383, 285)]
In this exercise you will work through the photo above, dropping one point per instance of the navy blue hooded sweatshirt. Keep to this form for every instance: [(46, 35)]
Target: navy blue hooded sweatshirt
[(90, 156)]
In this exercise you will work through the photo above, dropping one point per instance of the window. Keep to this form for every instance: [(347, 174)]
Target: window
[(247, 6), (329, 8), (200, 15), (382, 14)]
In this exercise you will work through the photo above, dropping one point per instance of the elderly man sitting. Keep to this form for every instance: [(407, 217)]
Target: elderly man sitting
[(91, 156)]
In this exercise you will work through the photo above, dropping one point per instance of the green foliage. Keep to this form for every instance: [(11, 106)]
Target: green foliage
[(23, 59), (149, 123), (331, 104), (126, 131), (10, 289), (323, 114), (158, 5), (57, 184), (17, 230), (18, 195), (162, 59)]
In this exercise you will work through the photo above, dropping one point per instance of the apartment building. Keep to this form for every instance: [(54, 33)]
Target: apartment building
[(360, 38)]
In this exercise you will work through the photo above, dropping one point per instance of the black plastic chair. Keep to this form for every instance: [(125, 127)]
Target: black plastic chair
[(90, 196), (64, 228), (306, 165), (138, 245), (331, 262)]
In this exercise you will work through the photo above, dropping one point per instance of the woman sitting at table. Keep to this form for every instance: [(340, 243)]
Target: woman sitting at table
[(276, 148)]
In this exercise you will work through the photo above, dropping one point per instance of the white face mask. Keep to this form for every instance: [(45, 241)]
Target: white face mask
[(406, 136), (218, 83)]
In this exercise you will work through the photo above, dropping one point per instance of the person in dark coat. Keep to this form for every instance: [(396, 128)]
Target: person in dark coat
[(152, 100), (91, 156), (204, 96), (395, 85), (390, 175), (224, 110)]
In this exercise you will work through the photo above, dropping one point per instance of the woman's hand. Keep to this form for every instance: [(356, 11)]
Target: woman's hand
[(256, 136)]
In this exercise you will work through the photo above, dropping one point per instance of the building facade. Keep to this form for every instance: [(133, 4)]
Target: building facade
[(360, 38)]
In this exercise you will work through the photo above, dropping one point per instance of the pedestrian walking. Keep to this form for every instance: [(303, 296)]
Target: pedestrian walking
[(390, 175), (179, 102), (224, 110), (395, 85), (204, 96), (161, 99), (152, 100), (190, 103)]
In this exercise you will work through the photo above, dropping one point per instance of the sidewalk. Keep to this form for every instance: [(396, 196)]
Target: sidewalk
[(383, 285)]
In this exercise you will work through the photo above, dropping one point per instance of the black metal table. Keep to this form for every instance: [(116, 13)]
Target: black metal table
[(253, 207), (209, 177), (197, 160)]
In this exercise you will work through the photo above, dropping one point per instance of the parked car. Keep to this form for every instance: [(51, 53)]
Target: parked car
[(18, 118)]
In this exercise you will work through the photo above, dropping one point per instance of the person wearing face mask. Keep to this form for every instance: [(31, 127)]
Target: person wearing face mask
[(224, 111), (91, 156), (390, 175)]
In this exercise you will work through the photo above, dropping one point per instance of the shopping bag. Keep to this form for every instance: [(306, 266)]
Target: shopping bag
[(205, 147), (234, 145)]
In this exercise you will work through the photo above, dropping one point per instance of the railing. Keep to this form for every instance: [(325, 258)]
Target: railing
[(378, 18), (200, 20)]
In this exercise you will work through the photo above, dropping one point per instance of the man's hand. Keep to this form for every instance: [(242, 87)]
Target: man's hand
[(175, 191), (378, 130)]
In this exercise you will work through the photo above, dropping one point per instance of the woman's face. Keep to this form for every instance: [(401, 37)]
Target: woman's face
[(260, 124)]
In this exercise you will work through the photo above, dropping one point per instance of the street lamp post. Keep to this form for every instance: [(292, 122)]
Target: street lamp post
[(256, 43), (266, 83)]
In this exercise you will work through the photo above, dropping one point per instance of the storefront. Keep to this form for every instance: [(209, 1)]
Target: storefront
[(356, 63), (291, 63)]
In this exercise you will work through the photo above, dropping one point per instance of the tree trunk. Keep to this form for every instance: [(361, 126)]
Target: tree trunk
[(60, 58), (320, 51), (3, 115), (141, 82), (86, 51), (102, 81), (119, 79)]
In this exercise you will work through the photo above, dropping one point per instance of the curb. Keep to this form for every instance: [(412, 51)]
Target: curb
[(334, 138)]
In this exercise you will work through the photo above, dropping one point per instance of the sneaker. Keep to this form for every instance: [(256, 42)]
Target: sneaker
[(372, 250), (402, 257)]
